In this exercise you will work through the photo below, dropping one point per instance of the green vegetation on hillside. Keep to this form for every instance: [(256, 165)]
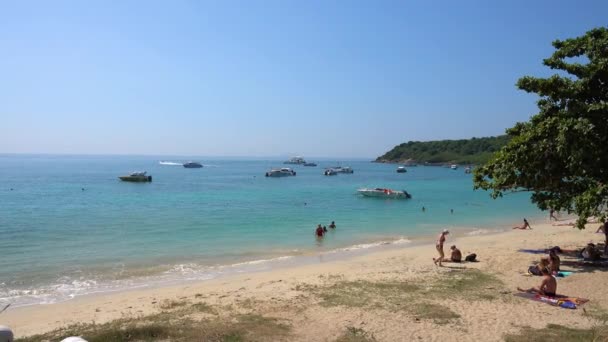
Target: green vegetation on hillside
[(464, 151)]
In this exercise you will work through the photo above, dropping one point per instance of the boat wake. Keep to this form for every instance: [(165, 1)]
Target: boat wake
[(170, 163)]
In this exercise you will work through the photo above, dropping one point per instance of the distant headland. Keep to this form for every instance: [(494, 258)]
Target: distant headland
[(439, 152)]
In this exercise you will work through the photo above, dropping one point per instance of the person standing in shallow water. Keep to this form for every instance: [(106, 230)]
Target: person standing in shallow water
[(439, 246), (332, 225), (319, 232)]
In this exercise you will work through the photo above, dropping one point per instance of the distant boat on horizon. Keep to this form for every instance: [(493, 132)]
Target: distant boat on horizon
[(295, 160)]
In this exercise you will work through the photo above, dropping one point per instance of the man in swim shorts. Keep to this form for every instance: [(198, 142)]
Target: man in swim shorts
[(548, 287), (456, 254)]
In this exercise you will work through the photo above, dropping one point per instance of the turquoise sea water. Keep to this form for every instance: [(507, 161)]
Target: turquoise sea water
[(59, 241)]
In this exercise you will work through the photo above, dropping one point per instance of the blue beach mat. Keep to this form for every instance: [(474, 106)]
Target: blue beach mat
[(563, 274)]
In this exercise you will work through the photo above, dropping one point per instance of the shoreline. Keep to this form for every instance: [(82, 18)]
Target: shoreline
[(187, 272), (497, 252)]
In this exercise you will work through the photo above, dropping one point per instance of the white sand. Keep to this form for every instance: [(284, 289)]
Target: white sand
[(275, 294)]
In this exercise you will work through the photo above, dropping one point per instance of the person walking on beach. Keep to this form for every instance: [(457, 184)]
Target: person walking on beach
[(604, 228), (525, 226), (439, 246), (552, 215)]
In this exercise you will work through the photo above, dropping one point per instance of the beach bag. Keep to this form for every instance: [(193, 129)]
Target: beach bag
[(534, 270), (471, 257)]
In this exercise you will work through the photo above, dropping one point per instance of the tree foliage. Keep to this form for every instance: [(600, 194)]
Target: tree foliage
[(464, 151), (561, 154)]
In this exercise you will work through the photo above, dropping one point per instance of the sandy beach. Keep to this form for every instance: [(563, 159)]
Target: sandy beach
[(387, 295)]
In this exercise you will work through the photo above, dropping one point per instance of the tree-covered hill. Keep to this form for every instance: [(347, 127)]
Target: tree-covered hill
[(464, 151)]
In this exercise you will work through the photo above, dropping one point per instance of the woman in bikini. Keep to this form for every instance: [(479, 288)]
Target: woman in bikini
[(439, 246)]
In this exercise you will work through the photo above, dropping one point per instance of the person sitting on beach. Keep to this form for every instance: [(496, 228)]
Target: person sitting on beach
[(456, 254), (319, 232), (548, 287), (554, 261), (525, 226), (332, 225), (439, 246), (537, 270), (591, 253)]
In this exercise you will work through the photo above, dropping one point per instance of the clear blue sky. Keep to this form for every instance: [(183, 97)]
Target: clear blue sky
[(270, 78)]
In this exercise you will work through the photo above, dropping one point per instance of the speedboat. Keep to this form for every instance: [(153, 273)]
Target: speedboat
[(454, 167), (136, 177), (401, 169), (310, 164), (295, 160), (192, 165), (384, 193), (340, 169), (282, 172), (330, 172)]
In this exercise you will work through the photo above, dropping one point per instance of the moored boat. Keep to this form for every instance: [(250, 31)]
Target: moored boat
[(330, 172), (282, 172), (454, 167), (310, 164), (136, 177), (340, 169), (295, 160), (384, 193), (401, 169), (467, 169), (192, 165)]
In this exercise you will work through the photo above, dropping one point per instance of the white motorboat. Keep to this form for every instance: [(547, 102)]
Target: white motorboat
[(340, 169), (384, 193), (467, 169), (139, 176), (295, 160), (401, 169), (454, 167), (282, 172), (330, 172)]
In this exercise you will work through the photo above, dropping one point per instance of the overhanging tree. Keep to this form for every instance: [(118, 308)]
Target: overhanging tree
[(561, 154)]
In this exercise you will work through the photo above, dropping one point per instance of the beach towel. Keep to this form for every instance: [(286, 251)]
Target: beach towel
[(559, 300), (563, 274), (533, 271)]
